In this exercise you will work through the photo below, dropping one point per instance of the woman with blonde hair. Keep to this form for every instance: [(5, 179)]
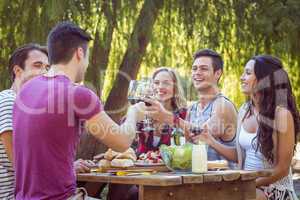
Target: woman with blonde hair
[(168, 91)]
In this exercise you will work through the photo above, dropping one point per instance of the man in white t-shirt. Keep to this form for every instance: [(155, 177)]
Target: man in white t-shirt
[(25, 62)]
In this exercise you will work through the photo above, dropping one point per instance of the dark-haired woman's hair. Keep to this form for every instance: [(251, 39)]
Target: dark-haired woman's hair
[(273, 89)]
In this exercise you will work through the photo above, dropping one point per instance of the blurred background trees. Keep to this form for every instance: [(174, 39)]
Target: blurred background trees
[(137, 36)]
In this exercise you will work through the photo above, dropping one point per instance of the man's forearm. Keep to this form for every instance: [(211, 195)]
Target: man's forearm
[(230, 153), (129, 126), (117, 137)]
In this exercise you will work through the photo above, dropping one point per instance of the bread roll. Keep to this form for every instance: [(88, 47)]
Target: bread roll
[(122, 163), (104, 163), (217, 164), (128, 154), (110, 154)]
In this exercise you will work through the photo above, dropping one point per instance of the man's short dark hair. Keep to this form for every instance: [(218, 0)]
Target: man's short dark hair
[(63, 40), (217, 61), (20, 55)]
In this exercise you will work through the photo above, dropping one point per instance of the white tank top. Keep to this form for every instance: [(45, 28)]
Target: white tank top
[(255, 161), (253, 158)]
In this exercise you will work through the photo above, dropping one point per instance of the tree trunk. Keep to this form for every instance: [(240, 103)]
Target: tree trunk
[(101, 49), (89, 146), (116, 103)]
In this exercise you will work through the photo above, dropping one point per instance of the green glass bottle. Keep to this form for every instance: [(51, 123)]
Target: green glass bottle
[(176, 134)]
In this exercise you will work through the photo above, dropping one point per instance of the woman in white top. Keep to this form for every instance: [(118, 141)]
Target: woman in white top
[(267, 127)]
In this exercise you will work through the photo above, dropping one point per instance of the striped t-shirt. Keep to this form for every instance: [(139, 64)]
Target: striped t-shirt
[(7, 98)]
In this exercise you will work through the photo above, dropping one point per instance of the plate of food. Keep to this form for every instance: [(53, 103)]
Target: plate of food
[(151, 158), (112, 159)]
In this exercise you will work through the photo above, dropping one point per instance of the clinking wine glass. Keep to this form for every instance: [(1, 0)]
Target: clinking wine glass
[(136, 92), (147, 92), (133, 96)]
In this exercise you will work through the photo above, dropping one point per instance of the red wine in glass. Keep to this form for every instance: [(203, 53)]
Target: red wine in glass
[(196, 130), (134, 100)]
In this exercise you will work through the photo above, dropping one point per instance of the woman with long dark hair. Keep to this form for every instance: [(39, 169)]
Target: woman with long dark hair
[(267, 128)]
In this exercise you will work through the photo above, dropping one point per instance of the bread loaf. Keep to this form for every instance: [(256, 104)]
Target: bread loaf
[(122, 163), (110, 154), (104, 163), (217, 164), (129, 154)]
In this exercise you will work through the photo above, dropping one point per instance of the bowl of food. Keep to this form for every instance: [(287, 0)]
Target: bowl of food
[(177, 158)]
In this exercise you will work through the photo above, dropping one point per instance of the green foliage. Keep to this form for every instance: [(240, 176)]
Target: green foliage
[(238, 29)]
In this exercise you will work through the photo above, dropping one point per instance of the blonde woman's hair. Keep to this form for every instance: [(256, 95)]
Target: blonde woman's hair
[(178, 101)]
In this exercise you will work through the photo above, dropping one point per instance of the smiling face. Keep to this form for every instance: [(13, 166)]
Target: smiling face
[(163, 86), (203, 74), (35, 64), (248, 78)]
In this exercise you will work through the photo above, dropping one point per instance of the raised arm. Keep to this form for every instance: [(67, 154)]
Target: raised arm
[(87, 107), (221, 124), (117, 137)]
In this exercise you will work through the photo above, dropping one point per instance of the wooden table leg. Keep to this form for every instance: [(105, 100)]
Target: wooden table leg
[(235, 190), (141, 192)]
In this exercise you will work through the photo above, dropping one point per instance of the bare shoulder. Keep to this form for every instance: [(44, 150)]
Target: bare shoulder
[(283, 119), (224, 105), (282, 113)]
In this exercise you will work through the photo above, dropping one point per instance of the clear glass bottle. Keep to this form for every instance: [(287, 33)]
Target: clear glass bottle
[(199, 158)]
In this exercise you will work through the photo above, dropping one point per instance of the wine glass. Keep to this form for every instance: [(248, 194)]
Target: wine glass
[(133, 95), (136, 92), (147, 92)]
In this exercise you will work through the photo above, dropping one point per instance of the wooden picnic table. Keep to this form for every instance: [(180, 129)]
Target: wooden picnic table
[(213, 185)]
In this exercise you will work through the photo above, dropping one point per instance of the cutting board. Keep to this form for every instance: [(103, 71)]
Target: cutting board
[(161, 168), (211, 165)]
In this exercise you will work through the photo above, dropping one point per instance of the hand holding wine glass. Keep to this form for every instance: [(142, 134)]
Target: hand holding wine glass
[(137, 91), (133, 92), (202, 133), (147, 92)]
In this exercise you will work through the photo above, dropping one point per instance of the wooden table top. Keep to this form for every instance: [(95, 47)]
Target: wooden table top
[(172, 179)]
